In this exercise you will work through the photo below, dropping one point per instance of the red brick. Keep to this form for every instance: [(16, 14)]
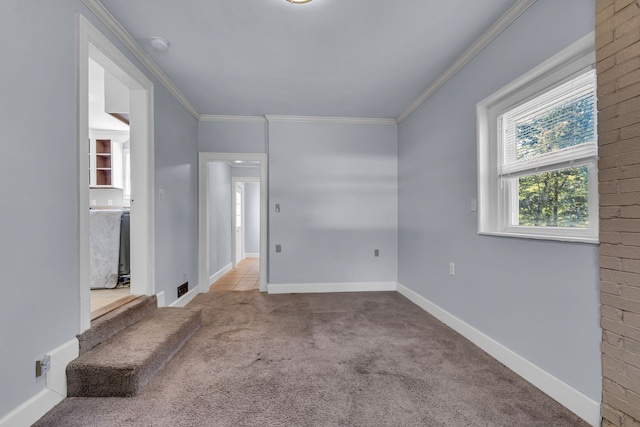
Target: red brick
[(610, 137), (613, 364), (611, 237), (610, 288), (630, 239), (609, 99), (606, 88), (619, 224), (629, 105), (611, 417), (610, 263), (617, 20), (607, 74), (630, 211), (622, 122), (621, 4), (621, 355), (631, 158), (622, 172), (628, 132), (625, 305), (611, 313), (608, 162), (603, 40), (628, 79), (608, 113), (621, 277), (610, 211), (631, 265), (612, 339), (628, 53), (620, 404), (629, 292), (617, 148), (631, 319), (631, 372), (619, 200)]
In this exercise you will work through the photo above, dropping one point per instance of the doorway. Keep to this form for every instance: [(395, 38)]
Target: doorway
[(238, 224), (92, 45), (237, 210)]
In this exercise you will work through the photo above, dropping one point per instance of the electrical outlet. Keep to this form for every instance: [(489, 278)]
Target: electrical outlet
[(278, 248), (376, 252), (183, 289), (452, 269), (43, 365)]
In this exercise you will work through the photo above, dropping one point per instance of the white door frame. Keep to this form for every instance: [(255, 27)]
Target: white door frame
[(241, 180), (93, 44), (235, 183), (203, 213)]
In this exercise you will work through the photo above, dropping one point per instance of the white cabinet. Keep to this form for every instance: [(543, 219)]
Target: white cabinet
[(105, 163)]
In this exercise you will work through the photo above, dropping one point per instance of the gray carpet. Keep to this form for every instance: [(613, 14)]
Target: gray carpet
[(362, 359)]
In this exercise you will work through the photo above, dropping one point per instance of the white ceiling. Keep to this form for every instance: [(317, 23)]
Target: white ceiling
[(98, 119), (347, 58)]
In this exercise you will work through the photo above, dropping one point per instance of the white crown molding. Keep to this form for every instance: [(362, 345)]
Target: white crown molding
[(323, 119), (498, 27), (225, 118), (112, 24)]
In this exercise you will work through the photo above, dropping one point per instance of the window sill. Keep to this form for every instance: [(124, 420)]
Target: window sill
[(572, 239)]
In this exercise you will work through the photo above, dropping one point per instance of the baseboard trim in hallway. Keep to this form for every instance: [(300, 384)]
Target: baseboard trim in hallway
[(55, 389), (218, 275), (572, 399), (309, 288)]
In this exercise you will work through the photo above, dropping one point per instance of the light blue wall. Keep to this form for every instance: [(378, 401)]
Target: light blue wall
[(538, 298), (38, 224), (337, 187), (252, 218), (233, 137), (219, 200)]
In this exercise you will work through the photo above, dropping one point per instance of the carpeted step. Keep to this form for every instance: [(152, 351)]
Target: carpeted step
[(125, 363), (115, 321)]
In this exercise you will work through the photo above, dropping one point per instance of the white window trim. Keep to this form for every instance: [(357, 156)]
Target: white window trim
[(560, 68)]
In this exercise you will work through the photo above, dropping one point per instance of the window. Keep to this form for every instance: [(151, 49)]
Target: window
[(537, 152)]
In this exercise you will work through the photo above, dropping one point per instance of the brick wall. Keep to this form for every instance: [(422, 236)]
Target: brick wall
[(618, 67)]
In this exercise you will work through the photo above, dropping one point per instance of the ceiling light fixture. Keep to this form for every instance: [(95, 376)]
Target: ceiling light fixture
[(160, 44), (298, 1)]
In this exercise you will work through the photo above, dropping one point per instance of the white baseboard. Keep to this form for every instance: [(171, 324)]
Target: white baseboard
[(186, 298), (307, 288), (56, 389), (160, 299), (216, 276), (251, 255), (580, 404)]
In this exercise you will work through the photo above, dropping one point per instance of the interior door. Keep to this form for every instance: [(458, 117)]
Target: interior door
[(239, 223)]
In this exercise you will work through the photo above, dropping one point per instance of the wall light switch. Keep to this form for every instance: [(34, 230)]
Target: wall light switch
[(161, 194), (278, 248), (474, 205), (278, 207), (452, 269)]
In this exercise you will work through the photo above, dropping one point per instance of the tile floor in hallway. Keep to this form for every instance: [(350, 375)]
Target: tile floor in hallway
[(244, 278)]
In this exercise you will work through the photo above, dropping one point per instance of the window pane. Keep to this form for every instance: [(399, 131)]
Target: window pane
[(560, 126), (555, 199)]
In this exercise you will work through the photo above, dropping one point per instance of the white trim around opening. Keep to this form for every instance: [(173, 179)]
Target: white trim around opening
[(203, 224), (93, 44)]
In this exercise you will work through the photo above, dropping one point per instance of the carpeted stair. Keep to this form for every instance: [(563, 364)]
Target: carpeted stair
[(126, 349)]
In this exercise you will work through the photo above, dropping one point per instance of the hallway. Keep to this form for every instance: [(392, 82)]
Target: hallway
[(244, 278)]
